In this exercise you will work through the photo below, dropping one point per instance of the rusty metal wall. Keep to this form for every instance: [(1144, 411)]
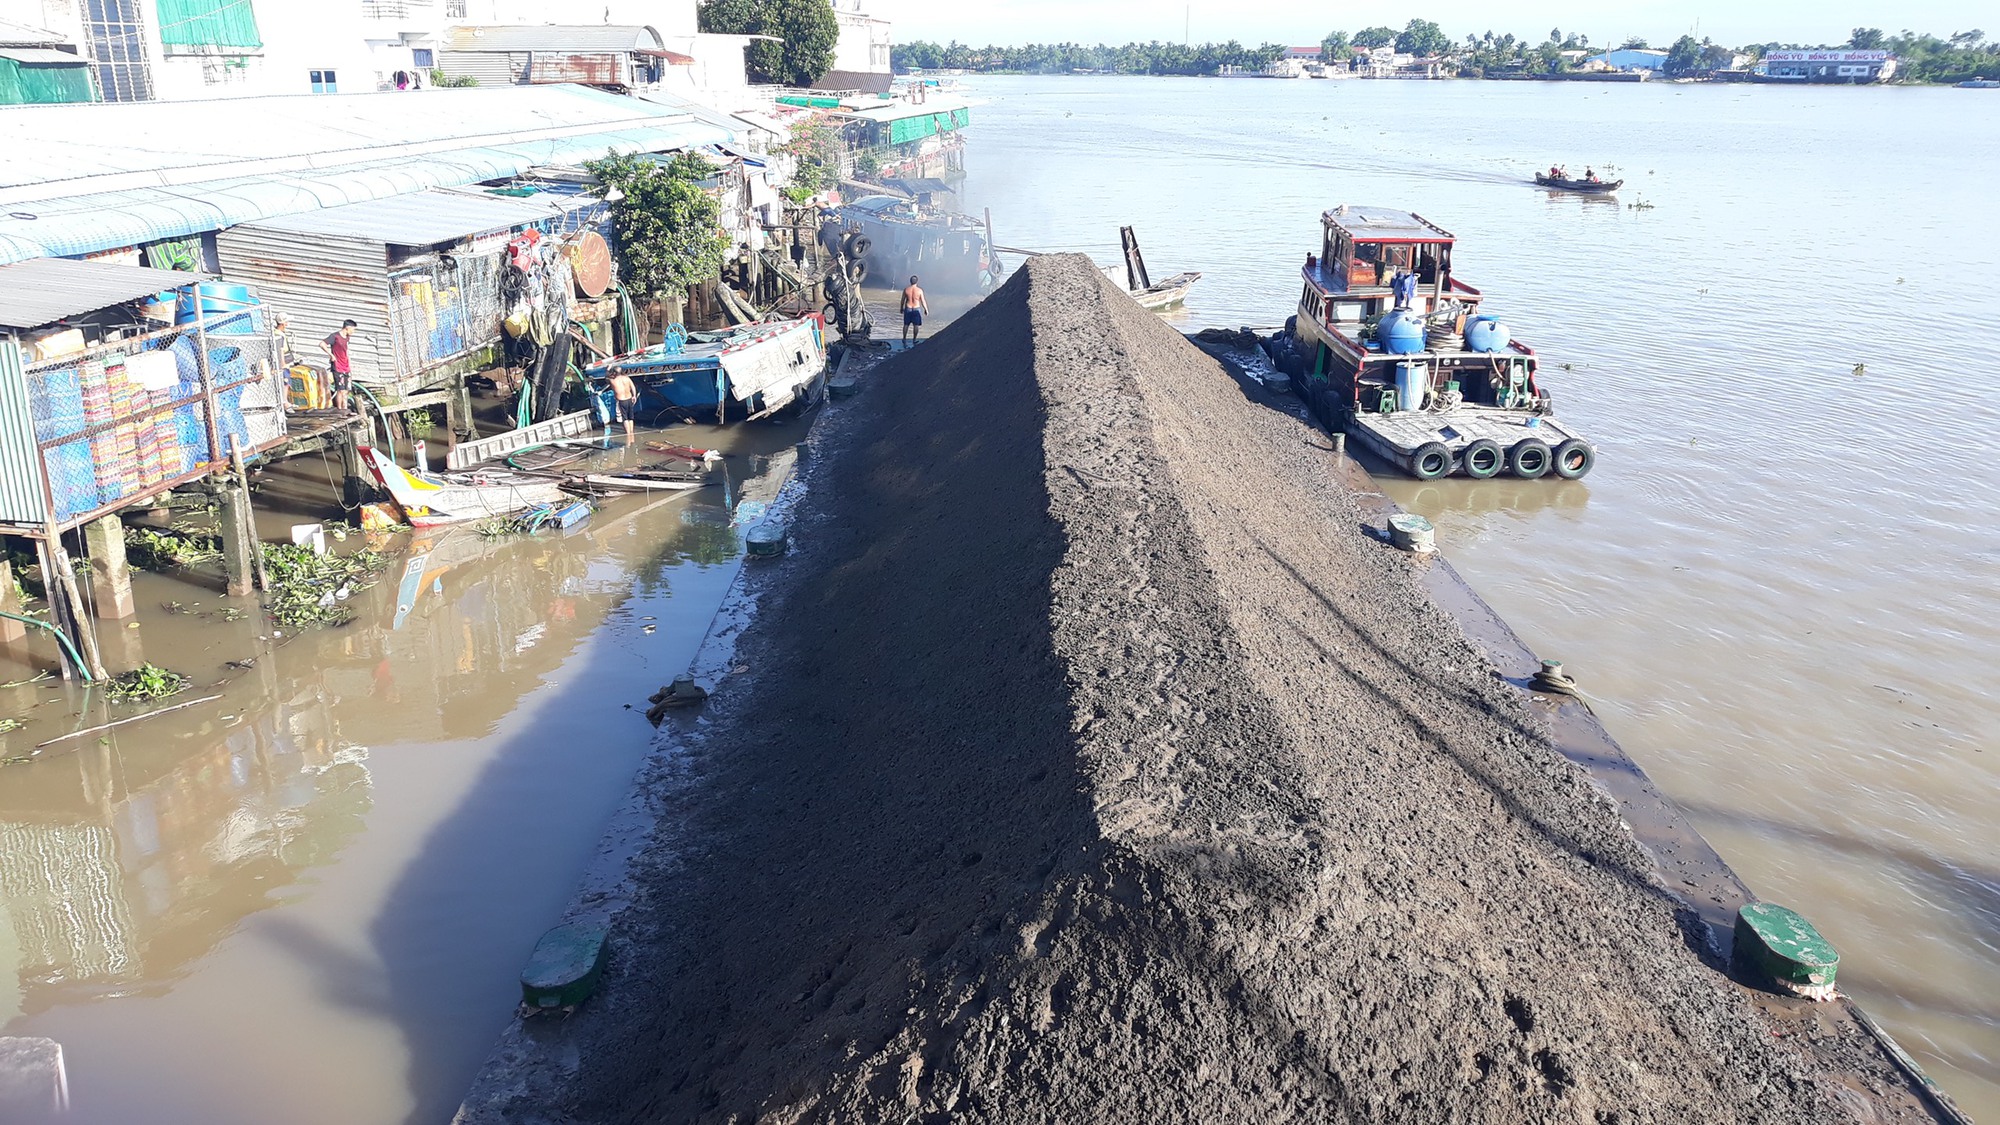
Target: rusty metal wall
[(318, 280)]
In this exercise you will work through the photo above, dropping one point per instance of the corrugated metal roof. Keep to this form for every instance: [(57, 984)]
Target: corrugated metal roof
[(43, 56), (29, 35), (82, 178), (553, 37), (426, 217), (48, 289)]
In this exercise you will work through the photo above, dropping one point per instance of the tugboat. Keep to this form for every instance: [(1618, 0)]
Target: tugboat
[(1390, 347), (894, 238)]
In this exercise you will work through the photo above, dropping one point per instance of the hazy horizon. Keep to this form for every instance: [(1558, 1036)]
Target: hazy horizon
[(1015, 22)]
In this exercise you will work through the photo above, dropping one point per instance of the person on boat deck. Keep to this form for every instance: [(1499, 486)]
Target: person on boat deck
[(1403, 287), (1555, 172), (914, 308), (624, 402), (1590, 174)]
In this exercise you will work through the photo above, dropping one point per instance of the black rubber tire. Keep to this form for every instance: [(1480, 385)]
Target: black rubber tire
[(858, 245), (1574, 458), (1430, 461), (857, 272), (1529, 459), (1482, 459)]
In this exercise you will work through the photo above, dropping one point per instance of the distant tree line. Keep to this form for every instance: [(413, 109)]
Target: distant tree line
[(1070, 58), (1921, 58)]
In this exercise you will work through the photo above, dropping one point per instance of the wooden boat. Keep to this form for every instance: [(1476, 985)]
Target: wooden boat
[(748, 372), (1155, 297), (645, 480), (1166, 294), (1585, 187), (1980, 84), (432, 499), (1387, 345)]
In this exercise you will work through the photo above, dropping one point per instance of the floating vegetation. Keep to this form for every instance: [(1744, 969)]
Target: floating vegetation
[(7, 725), (497, 527), (311, 589), (146, 682), (169, 550)]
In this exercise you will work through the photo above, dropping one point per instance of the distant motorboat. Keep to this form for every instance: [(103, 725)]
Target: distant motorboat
[(1980, 84), (1584, 187)]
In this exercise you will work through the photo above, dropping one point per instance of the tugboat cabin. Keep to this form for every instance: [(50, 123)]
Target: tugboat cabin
[(1386, 324)]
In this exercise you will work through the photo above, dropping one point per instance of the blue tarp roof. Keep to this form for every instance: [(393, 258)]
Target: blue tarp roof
[(86, 178)]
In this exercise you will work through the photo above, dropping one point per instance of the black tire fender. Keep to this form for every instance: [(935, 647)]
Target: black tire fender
[(1430, 461), (1529, 458), (858, 245), (857, 272), (1573, 459), (1482, 459)]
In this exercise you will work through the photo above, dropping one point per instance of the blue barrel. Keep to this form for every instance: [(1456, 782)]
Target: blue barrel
[(1401, 333), (1412, 379), (1486, 334), (214, 297)]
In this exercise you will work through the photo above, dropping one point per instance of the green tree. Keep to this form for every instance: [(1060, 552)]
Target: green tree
[(807, 27), (1373, 37), (1423, 39), (1684, 57), (1334, 46), (1633, 43), (1866, 39), (668, 228)]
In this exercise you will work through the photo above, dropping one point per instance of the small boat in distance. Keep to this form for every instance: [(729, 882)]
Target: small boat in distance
[(1980, 84), (1584, 186)]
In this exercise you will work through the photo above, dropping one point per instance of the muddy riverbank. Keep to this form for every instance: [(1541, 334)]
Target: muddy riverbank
[(1088, 760)]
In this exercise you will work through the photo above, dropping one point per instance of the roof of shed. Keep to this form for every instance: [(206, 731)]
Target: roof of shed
[(426, 217), (570, 38), (46, 290), (83, 179)]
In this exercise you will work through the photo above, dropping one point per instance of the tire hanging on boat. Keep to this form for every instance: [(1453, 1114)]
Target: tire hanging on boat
[(1574, 458), (858, 245), (1430, 461), (1482, 459), (857, 272), (1529, 459)]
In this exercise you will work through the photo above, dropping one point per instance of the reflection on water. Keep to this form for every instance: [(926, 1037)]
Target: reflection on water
[(135, 865), (1777, 583)]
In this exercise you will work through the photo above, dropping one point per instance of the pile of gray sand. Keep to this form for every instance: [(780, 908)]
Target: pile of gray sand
[(1095, 765)]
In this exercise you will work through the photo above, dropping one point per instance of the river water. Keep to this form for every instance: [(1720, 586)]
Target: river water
[(1778, 586), (310, 901)]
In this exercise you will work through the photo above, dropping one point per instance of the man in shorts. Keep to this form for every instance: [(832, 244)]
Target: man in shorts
[(914, 308), (625, 402), (338, 363)]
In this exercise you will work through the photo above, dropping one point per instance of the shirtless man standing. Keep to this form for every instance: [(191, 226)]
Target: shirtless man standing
[(625, 400), (914, 308)]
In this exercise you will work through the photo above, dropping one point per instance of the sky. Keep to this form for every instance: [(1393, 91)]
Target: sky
[(1735, 23)]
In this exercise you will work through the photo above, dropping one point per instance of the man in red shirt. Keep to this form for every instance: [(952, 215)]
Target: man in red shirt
[(343, 370)]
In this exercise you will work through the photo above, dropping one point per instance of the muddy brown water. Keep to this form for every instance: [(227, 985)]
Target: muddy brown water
[(1776, 586), (309, 901)]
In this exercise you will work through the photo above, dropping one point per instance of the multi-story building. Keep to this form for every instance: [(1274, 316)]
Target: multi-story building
[(861, 58), (139, 50)]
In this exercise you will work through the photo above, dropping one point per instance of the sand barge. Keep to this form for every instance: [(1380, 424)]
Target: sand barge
[(1095, 766)]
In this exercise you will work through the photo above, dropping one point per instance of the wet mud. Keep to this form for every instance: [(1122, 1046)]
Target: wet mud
[(1089, 760)]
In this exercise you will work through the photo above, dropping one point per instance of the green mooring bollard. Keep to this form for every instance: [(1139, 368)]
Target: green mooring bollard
[(1780, 948)]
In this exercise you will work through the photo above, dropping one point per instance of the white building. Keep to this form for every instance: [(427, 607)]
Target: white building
[(176, 49), (861, 58)]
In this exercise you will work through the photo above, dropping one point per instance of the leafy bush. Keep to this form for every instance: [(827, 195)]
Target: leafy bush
[(309, 589), (146, 682)]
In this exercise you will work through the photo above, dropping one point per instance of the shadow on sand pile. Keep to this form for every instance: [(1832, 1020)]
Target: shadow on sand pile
[(1096, 768)]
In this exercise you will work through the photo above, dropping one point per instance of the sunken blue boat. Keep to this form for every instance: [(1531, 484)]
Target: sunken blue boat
[(748, 372)]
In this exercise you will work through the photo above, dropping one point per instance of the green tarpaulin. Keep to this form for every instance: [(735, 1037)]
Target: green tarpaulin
[(208, 23), (37, 84), (929, 124)]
